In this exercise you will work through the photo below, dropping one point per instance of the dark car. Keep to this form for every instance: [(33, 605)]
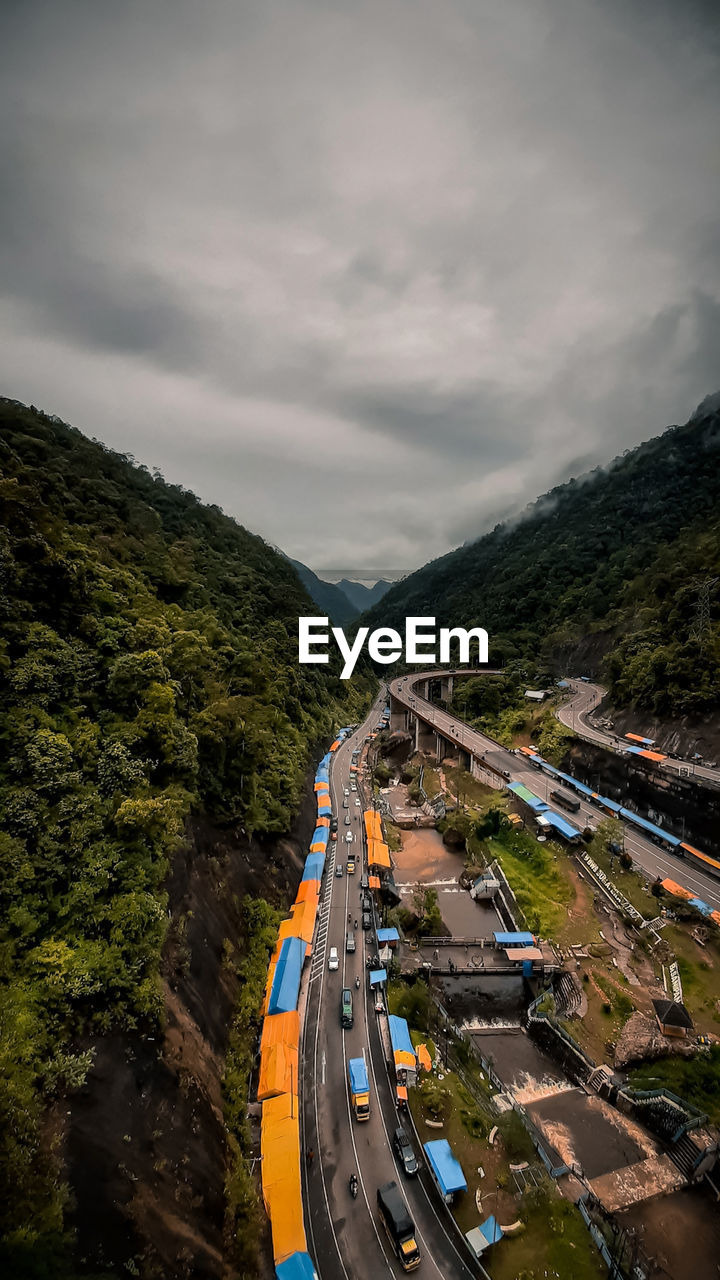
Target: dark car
[(404, 1152), (333, 824), (366, 920), (364, 882), (366, 904)]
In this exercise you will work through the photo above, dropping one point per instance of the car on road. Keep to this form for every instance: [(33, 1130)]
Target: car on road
[(404, 1152), (338, 871), (366, 920), (333, 961), (357, 803), (346, 1009), (351, 865), (346, 804), (348, 837), (364, 881), (353, 786), (346, 792), (333, 824), (366, 904), (347, 819), (350, 942)]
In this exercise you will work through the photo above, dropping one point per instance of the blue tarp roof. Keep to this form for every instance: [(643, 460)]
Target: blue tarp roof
[(549, 768), (324, 811), (314, 866), (701, 906), (577, 786), (491, 1230), (612, 805), (388, 935), (446, 1168), (400, 1034), (563, 684), (377, 976), (514, 939), (649, 742), (561, 824), (286, 979), (299, 1266), (649, 826), (320, 835), (357, 1072)]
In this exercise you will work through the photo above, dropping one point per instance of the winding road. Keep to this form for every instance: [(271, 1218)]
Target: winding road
[(585, 697)]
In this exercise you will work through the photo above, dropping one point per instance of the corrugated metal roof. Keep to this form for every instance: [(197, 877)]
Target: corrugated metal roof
[(520, 939)]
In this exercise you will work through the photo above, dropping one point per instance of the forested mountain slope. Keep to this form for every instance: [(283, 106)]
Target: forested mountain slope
[(619, 569), (331, 600), (148, 671)]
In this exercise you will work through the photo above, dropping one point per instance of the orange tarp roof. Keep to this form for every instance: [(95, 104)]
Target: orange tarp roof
[(280, 1147), (278, 1070), (653, 755), (403, 1058), (378, 854), (281, 1028), (320, 786), (423, 1054), (677, 890), (301, 923), (322, 822), (307, 890), (374, 882), (401, 1093), (635, 737), (318, 847), (335, 744), (373, 825)]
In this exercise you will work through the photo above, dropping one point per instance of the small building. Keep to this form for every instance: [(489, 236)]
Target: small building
[(389, 937), (486, 886), (445, 1169), (673, 1018), (519, 939), (536, 695)]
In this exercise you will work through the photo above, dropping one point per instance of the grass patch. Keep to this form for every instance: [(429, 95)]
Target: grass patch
[(695, 1079), (393, 838), (533, 871), (555, 1242)]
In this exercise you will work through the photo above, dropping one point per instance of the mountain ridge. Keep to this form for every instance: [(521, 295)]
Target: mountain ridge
[(618, 557)]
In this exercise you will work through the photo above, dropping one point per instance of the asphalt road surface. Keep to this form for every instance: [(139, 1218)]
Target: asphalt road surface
[(585, 697), (345, 1236), (651, 859)]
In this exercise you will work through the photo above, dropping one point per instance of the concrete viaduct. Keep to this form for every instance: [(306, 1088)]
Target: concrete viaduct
[(437, 732)]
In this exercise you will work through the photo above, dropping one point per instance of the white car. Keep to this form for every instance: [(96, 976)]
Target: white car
[(357, 804), (346, 792), (348, 837), (333, 961)]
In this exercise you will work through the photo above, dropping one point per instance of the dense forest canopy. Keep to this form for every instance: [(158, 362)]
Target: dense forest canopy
[(623, 564), (148, 655)]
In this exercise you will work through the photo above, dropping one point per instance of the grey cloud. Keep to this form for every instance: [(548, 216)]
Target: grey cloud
[(454, 253)]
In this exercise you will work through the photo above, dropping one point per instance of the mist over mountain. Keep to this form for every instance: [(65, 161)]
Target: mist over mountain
[(618, 569)]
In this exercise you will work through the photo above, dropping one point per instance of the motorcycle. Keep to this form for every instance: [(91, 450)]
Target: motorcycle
[(353, 1185), (357, 984)]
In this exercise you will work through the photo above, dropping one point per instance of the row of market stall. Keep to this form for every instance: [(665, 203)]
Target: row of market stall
[(278, 1084)]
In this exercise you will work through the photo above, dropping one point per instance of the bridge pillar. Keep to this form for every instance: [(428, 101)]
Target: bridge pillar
[(446, 688), (398, 716), (424, 736)]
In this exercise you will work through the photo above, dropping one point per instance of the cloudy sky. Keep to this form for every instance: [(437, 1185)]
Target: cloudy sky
[(367, 273)]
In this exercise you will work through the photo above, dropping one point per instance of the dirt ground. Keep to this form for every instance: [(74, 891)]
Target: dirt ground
[(145, 1143), (680, 1232)]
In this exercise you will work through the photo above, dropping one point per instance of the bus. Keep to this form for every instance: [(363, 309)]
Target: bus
[(567, 802)]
